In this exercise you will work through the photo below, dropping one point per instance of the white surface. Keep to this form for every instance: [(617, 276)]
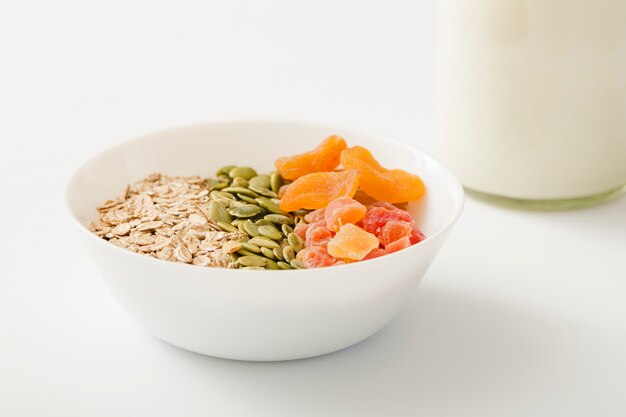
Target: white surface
[(521, 314), (252, 315)]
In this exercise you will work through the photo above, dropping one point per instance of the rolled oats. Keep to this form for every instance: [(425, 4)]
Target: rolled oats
[(165, 218)]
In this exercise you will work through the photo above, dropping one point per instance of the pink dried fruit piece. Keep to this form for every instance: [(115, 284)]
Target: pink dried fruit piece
[(301, 229), (318, 235), (416, 234), (352, 242), (398, 245), (377, 217), (316, 257), (375, 253), (394, 230), (315, 216)]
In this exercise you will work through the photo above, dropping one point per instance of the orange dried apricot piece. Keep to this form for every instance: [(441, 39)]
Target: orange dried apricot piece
[(352, 242), (315, 191), (391, 185), (324, 158), (342, 211)]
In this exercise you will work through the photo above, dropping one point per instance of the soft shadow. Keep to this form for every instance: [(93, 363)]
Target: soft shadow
[(444, 352), (606, 221)]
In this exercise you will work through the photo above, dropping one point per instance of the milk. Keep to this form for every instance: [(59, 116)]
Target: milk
[(533, 96)]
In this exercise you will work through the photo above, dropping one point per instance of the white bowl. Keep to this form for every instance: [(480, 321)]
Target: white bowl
[(257, 315)]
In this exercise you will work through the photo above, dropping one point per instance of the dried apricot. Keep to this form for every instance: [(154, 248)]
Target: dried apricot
[(316, 257), (343, 210), (324, 158), (352, 242), (362, 197), (377, 217), (394, 230), (398, 245), (394, 186), (317, 190)]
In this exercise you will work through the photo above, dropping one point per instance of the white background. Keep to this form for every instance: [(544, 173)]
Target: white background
[(522, 313)]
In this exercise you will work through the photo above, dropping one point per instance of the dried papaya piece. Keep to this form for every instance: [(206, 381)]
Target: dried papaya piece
[(316, 257), (318, 235), (352, 242), (399, 244), (317, 190), (324, 158), (315, 216), (375, 253), (391, 185), (395, 230), (342, 211)]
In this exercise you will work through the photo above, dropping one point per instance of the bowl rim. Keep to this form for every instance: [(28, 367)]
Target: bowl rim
[(454, 182)]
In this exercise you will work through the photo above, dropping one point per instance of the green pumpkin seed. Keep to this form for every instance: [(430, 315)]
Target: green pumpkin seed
[(286, 229), (250, 247), (235, 203), (279, 219), (225, 194), (251, 228), (225, 170), (289, 254), (296, 263), (270, 232), (237, 221), (240, 190), (295, 242), (218, 213), (219, 186), (262, 222), (252, 260), (283, 265), (247, 210), (268, 253), (243, 172), (260, 181), (276, 181), (271, 264), (227, 227), (224, 178), (240, 182), (247, 199), (264, 242), (262, 191), (275, 201), (244, 252), (254, 268), (215, 195), (240, 227), (278, 254), (269, 206), (212, 183)]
